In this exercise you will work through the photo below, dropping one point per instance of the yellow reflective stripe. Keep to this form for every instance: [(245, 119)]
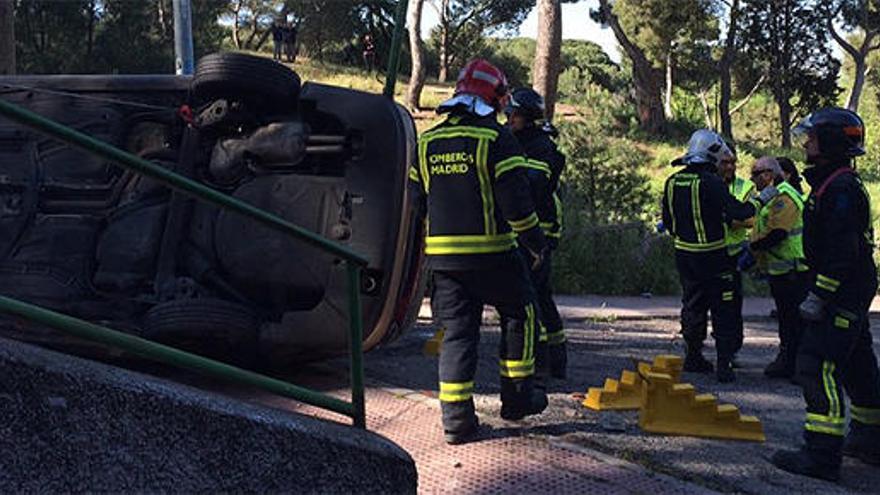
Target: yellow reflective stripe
[(460, 131), (698, 247), (727, 296), (542, 334), (830, 389), (413, 175), (537, 165), (670, 192), (486, 186), (828, 425), (555, 338), (841, 322), (465, 244), (827, 430), (517, 369), (509, 164), (529, 343), (865, 415), (698, 215), (792, 193), (827, 283), (456, 391), (423, 162), (526, 223)]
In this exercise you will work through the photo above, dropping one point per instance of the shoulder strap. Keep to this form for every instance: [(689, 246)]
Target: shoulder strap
[(837, 173)]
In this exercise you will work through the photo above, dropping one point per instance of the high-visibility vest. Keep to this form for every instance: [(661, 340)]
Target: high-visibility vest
[(788, 255), (736, 238)]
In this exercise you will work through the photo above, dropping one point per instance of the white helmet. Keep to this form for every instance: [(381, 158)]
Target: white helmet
[(705, 147)]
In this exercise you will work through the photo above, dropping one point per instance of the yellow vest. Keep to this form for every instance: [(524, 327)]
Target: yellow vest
[(736, 236)]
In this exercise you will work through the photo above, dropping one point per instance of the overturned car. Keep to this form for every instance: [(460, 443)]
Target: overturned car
[(90, 239)]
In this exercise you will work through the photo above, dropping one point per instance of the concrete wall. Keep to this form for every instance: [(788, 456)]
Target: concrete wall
[(72, 425)]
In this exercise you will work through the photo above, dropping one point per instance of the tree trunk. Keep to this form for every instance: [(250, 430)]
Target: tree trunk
[(724, 66), (7, 38), (784, 119), (667, 102), (444, 52), (236, 38), (417, 73), (707, 109), (858, 85), (548, 50), (645, 78)]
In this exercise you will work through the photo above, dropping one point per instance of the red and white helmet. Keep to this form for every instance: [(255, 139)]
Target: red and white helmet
[(480, 78)]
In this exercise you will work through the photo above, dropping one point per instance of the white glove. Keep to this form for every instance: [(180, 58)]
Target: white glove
[(813, 308), (767, 194)]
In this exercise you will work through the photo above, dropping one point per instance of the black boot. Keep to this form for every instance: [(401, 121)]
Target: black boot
[(863, 443), (725, 372), (468, 434), (807, 462), (694, 362), (520, 398), (558, 360), (460, 423), (781, 367)]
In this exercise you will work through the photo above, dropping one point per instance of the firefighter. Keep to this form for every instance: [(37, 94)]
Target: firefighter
[(736, 234), (471, 178), (696, 206), (835, 353), (777, 242), (545, 164)]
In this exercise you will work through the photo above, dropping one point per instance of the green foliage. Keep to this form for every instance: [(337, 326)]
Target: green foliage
[(101, 37), (781, 40), (586, 69)]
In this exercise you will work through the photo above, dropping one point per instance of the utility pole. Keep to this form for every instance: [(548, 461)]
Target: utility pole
[(183, 40)]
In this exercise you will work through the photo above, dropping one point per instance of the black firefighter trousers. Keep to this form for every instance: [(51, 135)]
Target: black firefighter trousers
[(836, 355), (458, 299), (788, 291), (709, 284)]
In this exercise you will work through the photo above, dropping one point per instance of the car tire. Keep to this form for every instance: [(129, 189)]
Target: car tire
[(206, 326), (256, 80)]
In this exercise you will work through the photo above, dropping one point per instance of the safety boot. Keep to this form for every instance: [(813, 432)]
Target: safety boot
[(694, 362), (807, 462), (781, 367), (863, 443), (725, 373), (460, 423), (467, 434), (520, 398)]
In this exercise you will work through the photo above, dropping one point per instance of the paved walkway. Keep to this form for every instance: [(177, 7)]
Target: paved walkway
[(593, 307), (506, 461)]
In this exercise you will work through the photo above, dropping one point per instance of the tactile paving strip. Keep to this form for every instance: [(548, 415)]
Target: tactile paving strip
[(503, 462)]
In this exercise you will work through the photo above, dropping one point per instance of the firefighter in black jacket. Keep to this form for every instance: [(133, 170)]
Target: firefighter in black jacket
[(471, 178), (835, 352), (696, 206), (544, 167)]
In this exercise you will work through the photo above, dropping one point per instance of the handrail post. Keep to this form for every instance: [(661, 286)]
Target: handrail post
[(394, 53), (356, 337)]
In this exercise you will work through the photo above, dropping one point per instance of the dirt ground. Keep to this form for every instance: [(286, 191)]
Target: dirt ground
[(600, 349)]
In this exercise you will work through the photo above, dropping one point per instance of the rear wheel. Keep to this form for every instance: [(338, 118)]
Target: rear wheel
[(205, 326), (237, 76)]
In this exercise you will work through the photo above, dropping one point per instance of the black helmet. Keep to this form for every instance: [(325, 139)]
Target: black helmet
[(840, 132), (526, 102)]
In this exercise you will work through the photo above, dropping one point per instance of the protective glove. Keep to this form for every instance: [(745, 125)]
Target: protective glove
[(745, 261), (661, 227), (537, 259), (767, 194), (812, 308)]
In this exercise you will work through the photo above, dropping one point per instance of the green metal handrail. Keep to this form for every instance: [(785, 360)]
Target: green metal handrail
[(354, 262), (394, 55)]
